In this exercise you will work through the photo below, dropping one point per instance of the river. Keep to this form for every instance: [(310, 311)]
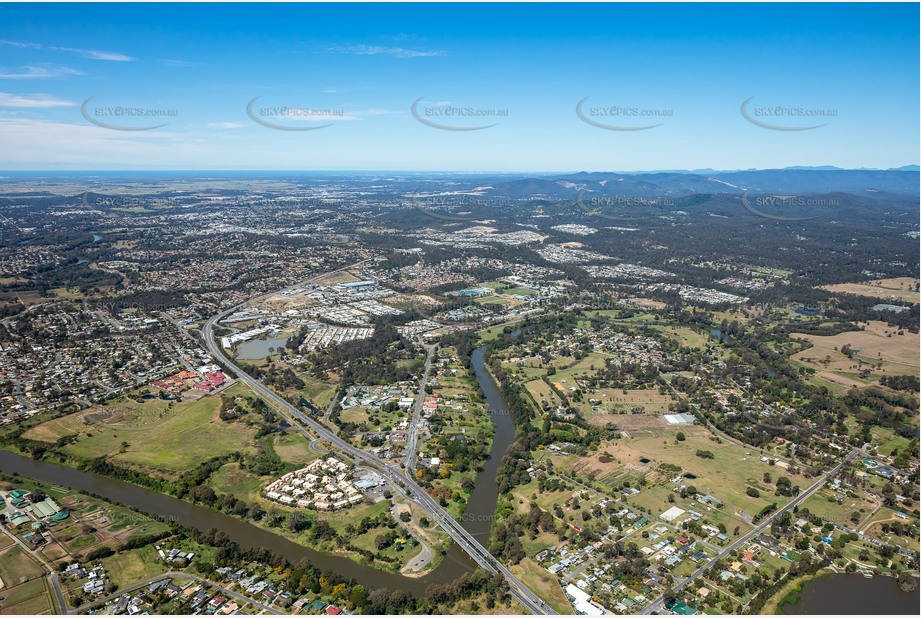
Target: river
[(477, 519), (844, 594)]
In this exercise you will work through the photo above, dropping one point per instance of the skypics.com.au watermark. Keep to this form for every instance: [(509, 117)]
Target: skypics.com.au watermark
[(785, 117), (442, 206), (124, 117), (618, 207), (619, 118), (775, 207), (127, 201), (449, 117), (284, 117)]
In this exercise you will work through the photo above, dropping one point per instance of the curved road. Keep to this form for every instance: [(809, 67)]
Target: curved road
[(394, 474)]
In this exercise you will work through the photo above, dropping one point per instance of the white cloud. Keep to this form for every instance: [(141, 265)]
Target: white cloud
[(378, 50), (93, 54), (225, 125), (38, 72), (22, 44), (34, 101), (26, 141)]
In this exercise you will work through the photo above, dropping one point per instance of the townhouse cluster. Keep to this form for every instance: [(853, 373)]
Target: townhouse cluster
[(323, 485)]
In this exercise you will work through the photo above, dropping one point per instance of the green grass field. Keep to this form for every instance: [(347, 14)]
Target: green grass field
[(231, 479), (294, 448), (191, 433), (726, 476), (543, 583), (29, 598), (823, 504), (133, 566), (316, 391), (16, 564), (367, 541), (356, 414)]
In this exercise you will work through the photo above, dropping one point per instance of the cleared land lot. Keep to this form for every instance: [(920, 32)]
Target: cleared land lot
[(615, 400), (887, 515), (231, 479), (55, 429), (16, 565), (152, 435), (26, 599), (537, 578), (294, 448), (824, 504), (127, 568), (542, 393), (898, 353), (897, 288)]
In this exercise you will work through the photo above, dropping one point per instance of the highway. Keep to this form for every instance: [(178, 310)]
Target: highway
[(802, 497), (412, 438), (393, 474)]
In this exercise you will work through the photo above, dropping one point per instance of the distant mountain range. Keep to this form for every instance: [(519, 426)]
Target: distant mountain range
[(710, 170), (872, 184)]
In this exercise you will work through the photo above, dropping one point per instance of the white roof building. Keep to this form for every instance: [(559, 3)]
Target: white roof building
[(582, 602), (672, 514)]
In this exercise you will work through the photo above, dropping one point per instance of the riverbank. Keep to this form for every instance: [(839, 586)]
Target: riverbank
[(302, 538), (833, 592), (477, 518), (791, 592)]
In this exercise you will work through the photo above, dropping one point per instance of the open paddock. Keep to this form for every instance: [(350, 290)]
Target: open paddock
[(615, 400), (537, 578), (879, 343), (27, 599), (55, 429), (726, 476), (824, 504), (896, 288), (542, 393), (173, 443), (16, 565)]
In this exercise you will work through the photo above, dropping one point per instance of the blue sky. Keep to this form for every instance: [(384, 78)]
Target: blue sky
[(359, 68)]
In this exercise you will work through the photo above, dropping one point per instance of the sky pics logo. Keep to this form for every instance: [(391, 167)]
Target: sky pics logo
[(443, 207), (763, 205), (620, 118), (448, 117), (783, 114), (619, 208), (284, 117), (125, 117)]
